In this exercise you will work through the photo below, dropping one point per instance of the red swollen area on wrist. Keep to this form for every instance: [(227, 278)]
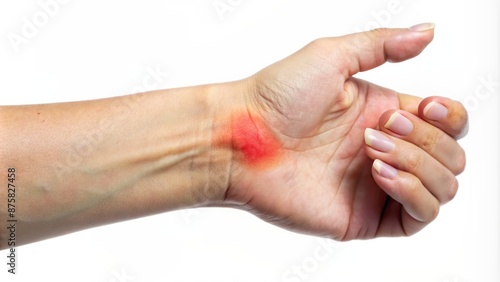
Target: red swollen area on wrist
[(253, 142)]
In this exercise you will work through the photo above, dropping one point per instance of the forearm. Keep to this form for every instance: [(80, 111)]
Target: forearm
[(89, 163)]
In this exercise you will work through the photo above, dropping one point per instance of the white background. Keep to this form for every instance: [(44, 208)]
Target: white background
[(89, 49)]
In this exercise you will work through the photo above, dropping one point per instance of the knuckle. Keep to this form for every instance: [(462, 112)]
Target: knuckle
[(430, 141), (413, 160)]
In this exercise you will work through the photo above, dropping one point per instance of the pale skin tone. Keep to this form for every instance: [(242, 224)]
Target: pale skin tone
[(86, 164)]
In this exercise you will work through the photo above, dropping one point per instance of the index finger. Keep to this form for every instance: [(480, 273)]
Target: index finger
[(448, 115)]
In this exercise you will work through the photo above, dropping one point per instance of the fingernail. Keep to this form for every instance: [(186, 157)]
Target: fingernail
[(435, 111), (399, 124), (384, 169), (378, 141), (422, 27)]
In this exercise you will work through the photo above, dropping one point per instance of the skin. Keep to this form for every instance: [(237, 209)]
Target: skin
[(258, 148), (285, 144)]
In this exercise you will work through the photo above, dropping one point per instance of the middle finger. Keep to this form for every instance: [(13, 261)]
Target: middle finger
[(435, 142)]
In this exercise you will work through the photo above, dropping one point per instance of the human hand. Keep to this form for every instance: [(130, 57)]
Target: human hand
[(317, 175)]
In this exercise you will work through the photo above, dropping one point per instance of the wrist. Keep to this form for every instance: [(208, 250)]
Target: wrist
[(224, 101), (245, 129)]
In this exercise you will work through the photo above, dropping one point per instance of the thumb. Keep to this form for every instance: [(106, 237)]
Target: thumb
[(367, 50)]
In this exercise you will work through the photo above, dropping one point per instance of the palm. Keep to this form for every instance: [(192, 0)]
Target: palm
[(332, 188), (325, 185)]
